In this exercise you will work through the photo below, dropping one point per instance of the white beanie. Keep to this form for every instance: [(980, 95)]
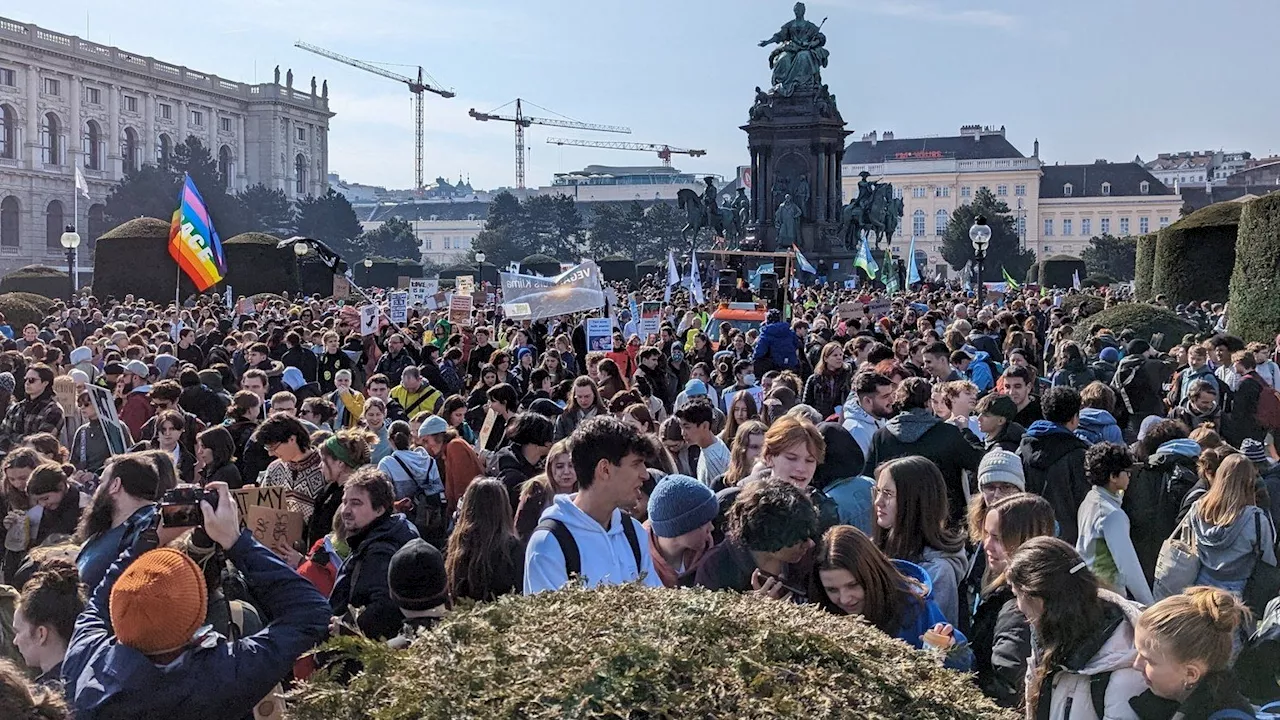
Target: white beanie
[(1001, 466), (81, 355)]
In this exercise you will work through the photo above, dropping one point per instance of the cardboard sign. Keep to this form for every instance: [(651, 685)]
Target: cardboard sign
[(599, 334), (245, 307), (850, 311), (268, 497), (490, 420), (879, 308), (460, 309), (418, 292), (466, 284), (274, 528), (368, 319), (398, 307)]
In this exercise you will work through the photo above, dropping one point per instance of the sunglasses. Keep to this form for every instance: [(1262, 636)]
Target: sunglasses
[(31, 380)]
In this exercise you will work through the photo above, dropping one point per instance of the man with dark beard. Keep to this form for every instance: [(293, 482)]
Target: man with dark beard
[(123, 506)]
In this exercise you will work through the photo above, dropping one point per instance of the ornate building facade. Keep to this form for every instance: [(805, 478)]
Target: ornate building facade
[(67, 103)]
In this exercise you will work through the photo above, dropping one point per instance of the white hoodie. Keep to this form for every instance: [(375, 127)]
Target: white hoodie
[(606, 555)]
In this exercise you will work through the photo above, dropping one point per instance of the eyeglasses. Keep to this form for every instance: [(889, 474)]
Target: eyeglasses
[(30, 380)]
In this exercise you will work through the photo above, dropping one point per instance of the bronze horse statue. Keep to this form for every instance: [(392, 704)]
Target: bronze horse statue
[(880, 217), (724, 222)]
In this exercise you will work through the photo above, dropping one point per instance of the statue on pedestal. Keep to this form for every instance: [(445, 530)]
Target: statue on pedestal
[(798, 60), (787, 222), (277, 75), (802, 193), (289, 79), (875, 210), (741, 206)]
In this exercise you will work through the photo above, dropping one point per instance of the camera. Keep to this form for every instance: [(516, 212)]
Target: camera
[(180, 507)]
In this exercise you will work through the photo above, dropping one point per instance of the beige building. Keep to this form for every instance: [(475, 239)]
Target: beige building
[(1078, 202), (441, 241), (936, 175), (68, 103)]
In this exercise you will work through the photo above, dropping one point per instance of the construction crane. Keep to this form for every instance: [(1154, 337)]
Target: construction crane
[(417, 87), (664, 151), (523, 121)]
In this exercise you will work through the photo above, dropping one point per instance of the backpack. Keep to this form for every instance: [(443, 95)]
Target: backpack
[(1268, 411), (1270, 711), (1258, 667), (1125, 374), (569, 546)]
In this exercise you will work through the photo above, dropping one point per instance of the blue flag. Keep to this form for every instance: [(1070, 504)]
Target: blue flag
[(803, 262), (913, 270)]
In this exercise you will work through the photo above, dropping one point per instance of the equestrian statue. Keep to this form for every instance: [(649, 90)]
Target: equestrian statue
[(875, 211)]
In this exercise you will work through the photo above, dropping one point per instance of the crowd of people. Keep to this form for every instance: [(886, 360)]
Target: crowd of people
[(1087, 527)]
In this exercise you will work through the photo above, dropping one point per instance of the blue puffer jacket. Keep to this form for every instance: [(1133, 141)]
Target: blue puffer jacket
[(778, 342), (213, 679), (916, 624), (979, 372), (1097, 426)]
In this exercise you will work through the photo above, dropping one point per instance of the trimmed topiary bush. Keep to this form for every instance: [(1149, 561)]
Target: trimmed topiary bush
[(1196, 255), (18, 311), (635, 652), (1144, 320), (1254, 312), (1144, 266), (255, 265), (1059, 271), (1033, 274), (617, 267), (41, 303), (314, 276), (1098, 281), (38, 280), (539, 264), (1088, 304), (134, 258)]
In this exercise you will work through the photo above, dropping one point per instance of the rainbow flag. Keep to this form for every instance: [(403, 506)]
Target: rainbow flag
[(193, 242)]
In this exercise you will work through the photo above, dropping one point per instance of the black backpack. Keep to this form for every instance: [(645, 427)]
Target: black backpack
[(1258, 667), (569, 546)]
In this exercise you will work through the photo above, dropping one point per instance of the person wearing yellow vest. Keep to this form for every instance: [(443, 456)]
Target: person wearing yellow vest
[(414, 395)]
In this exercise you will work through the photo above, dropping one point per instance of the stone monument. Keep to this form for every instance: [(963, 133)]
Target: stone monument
[(796, 137)]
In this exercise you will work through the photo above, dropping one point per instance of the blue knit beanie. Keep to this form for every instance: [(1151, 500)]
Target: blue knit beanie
[(681, 504)]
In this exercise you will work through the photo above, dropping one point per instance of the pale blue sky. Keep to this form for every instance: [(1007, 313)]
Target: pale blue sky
[(1091, 78)]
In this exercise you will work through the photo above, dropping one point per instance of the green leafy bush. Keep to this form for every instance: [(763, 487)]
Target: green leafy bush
[(1098, 281), (134, 258), (1143, 320), (255, 265), (636, 652), (36, 279), (19, 311), (1195, 256), (1088, 304), (1254, 312), (540, 264), (1144, 266), (1033, 274), (1059, 271), (617, 267)]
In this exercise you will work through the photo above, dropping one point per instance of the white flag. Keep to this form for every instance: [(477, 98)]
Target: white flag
[(673, 274), (695, 287), (81, 185), (1075, 279)]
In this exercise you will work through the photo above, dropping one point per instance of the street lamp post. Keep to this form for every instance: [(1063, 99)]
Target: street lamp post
[(71, 240), (368, 269), (480, 256), (980, 235)]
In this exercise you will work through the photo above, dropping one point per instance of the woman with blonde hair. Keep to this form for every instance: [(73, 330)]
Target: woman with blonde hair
[(1184, 645), (745, 449), (1231, 533), (539, 491)]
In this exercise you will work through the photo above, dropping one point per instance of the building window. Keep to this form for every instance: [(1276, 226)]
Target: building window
[(1048, 249), (52, 86), (224, 124), (1086, 227), (9, 222), (917, 192), (300, 172), (50, 140), (1164, 221), (197, 118), (93, 95), (1144, 187), (129, 149), (1020, 190), (164, 148), (224, 164), (1067, 190), (8, 133), (130, 104), (1124, 226), (1021, 225), (92, 146), (1144, 225), (917, 223), (8, 77), (942, 191), (1002, 190), (965, 191), (166, 111), (1066, 226), (1048, 227), (940, 220), (1105, 225), (1106, 188), (53, 225), (426, 243), (302, 133)]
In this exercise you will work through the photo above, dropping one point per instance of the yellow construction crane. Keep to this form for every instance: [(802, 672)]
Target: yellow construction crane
[(523, 121), (664, 151), (417, 87)]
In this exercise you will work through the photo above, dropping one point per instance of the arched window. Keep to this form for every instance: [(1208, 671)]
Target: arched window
[(1144, 187), (224, 165), (940, 219), (97, 225), (164, 148), (300, 172), (92, 146), (917, 223), (1066, 190), (129, 149), (50, 140), (8, 133), (53, 225), (1106, 188), (9, 222)]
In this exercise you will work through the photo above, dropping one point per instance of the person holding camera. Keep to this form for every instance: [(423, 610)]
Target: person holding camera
[(135, 651)]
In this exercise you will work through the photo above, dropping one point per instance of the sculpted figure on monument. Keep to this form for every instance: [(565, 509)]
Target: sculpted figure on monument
[(799, 57), (787, 221)]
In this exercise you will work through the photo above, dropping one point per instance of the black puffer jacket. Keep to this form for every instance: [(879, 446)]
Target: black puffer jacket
[(1001, 640), (1154, 498), (362, 582), (1053, 459)]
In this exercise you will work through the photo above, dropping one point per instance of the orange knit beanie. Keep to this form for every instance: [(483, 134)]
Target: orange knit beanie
[(159, 602)]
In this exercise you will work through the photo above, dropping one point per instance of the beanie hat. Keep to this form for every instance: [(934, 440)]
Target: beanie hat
[(292, 378), (6, 381), (1109, 354), (1255, 451), (79, 376), (695, 388), (433, 425), (137, 367), (1147, 423), (416, 578), (1001, 466), (80, 355), (1137, 347), (680, 504), (158, 602), (165, 361)]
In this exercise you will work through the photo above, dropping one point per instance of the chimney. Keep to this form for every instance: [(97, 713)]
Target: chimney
[(871, 136), (888, 135), (1035, 148)]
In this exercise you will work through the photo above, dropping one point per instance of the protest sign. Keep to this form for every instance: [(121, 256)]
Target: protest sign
[(460, 309), (650, 318), (599, 334), (274, 528), (527, 297), (879, 307), (268, 497), (398, 307), (850, 311), (466, 284), (417, 292), (850, 284), (368, 319)]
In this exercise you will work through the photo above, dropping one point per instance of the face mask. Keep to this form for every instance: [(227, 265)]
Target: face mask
[(749, 379)]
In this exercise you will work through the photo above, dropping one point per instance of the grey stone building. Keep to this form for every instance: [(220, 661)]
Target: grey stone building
[(67, 102)]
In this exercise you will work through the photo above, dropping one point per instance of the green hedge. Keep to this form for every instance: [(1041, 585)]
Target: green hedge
[(635, 652), (540, 264), (134, 258), (1144, 266), (1195, 256), (617, 267), (1088, 304), (255, 265), (1143, 320), (1098, 281), (1059, 271), (314, 276), (1033, 274), (1254, 312), (38, 280), (19, 311)]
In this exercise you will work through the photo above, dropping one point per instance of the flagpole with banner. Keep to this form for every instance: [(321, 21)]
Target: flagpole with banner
[(913, 270), (82, 188), (193, 243)]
